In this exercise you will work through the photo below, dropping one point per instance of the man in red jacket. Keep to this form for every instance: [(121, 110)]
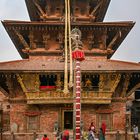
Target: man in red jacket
[(65, 135), (45, 137)]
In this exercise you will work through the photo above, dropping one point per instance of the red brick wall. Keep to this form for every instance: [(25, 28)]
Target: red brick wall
[(116, 109), (88, 115), (119, 109), (17, 116), (50, 114), (47, 119)]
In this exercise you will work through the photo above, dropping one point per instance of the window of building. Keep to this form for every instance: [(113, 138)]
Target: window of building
[(32, 123), (95, 82), (47, 81), (107, 118), (90, 82)]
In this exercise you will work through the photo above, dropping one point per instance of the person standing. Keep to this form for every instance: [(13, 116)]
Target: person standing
[(101, 134), (91, 135), (65, 135), (91, 127), (118, 135), (103, 126), (135, 130), (45, 137)]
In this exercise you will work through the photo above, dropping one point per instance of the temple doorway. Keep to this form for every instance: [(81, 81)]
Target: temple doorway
[(68, 119)]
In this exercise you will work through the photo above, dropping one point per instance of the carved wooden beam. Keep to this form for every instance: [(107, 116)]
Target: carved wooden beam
[(32, 41), (133, 89), (46, 37), (96, 8), (90, 40), (20, 80), (101, 82), (60, 38), (116, 79), (88, 7), (59, 83), (102, 40), (125, 85), (73, 5), (39, 8), (4, 92), (23, 41), (109, 82), (48, 8), (9, 84), (118, 34), (37, 82), (61, 7)]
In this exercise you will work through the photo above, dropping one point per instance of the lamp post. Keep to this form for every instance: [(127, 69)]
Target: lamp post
[(78, 56)]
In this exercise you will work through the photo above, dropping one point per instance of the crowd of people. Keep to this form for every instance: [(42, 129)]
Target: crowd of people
[(92, 133), (59, 136)]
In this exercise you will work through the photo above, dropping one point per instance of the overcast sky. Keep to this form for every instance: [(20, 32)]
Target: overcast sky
[(119, 10)]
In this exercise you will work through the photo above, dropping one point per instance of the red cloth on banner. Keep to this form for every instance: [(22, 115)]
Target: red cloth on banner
[(47, 87), (78, 55)]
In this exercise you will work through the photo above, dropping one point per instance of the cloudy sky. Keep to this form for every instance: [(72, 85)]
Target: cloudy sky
[(119, 10)]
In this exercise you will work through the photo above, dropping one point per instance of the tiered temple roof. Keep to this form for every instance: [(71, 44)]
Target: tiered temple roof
[(50, 10), (114, 33)]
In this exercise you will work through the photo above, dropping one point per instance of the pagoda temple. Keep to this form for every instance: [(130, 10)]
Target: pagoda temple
[(40, 87)]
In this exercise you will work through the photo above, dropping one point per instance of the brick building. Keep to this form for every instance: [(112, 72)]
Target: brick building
[(34, 86)]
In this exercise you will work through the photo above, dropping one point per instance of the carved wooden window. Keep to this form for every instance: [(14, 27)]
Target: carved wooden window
[(107, 118), (95, 82), (47, 80), (90, 82), (33, 123)]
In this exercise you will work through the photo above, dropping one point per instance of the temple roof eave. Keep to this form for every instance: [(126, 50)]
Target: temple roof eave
[(119, 23), (83, 71), (93, 65), (25, 26)]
